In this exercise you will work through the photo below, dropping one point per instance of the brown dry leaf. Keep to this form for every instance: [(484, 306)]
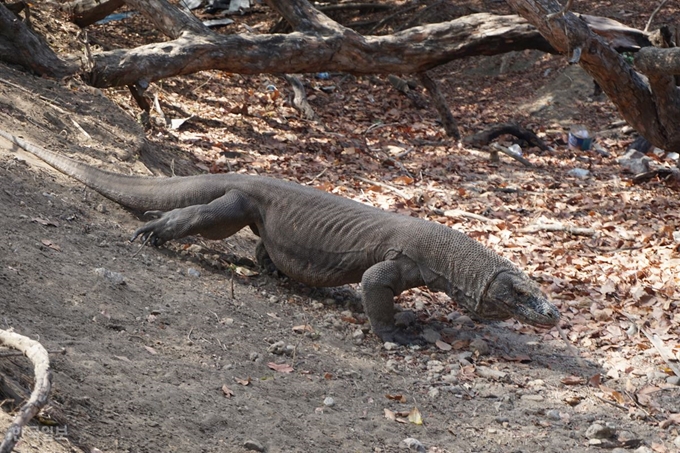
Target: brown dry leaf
[(572, 380), (151, 350), (328, 376), (44, 222), (613, 394), (443, 345), (390, 415), (406, 180), (51, 245), (227, 391), (243, 382), (595, 380), (659, 448), (522, 358), (415, 417), (280, 367), (673, 419), (460, 344), (245, 272), (303, 328), (400, 398)]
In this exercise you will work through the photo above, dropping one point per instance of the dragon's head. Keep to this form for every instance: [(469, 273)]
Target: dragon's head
[(513, 295)]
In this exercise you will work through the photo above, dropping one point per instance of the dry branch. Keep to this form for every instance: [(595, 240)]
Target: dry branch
[(577, 231), (41, 389), (300, 101), (447, 119), (87, 12), (486, 136)]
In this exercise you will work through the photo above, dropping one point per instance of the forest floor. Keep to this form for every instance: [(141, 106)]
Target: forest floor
[(188, 348)]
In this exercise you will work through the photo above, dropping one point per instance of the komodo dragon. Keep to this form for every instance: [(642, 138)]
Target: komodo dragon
[(322, 239)]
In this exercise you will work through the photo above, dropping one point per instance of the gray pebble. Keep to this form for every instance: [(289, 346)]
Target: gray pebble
[(434, 394), (277, 348), (329, 402), (553, 414), (479, 346), (253, 356), (390, 346), (414, 445), (114, 277), (191, 272), (598, 431), (673, 380), (253, 445)]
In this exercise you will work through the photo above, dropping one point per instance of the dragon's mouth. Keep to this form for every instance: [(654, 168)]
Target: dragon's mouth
[(549, 316)]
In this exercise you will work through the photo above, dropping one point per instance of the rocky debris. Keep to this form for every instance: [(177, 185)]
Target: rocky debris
[(114, 277), (635, 162), (414, 445), (599, 430), (280, 348), (329, 401), (253, 445), (389, 346), (490, 373)]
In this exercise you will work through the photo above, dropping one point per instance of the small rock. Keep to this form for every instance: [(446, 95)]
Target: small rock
[(114, 277), (673, 380), (598, 431), (389, 346), (431, 336), (594, 441), (643, 449), (581, 173), (635, 162), (358, 335), (501, 420), (451, 378), (191, 272), (101, 208), (329, 402), (479, 346), (253, 445), (434, 393), (273, 300), (254, 356), (532, 397), (289, 350), (414, 444), (464, 320), (405, 318), (435, 366), (553, 414), (277, 348), (490, 373)]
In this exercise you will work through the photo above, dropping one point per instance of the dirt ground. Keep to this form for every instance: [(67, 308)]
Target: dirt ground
[(170, 350)]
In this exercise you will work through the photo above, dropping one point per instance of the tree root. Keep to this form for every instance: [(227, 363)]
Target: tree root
[(41, 390)]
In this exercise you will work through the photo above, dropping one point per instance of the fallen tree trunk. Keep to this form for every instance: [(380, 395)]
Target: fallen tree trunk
[(318, 44), (22, 46), (651, 105)]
